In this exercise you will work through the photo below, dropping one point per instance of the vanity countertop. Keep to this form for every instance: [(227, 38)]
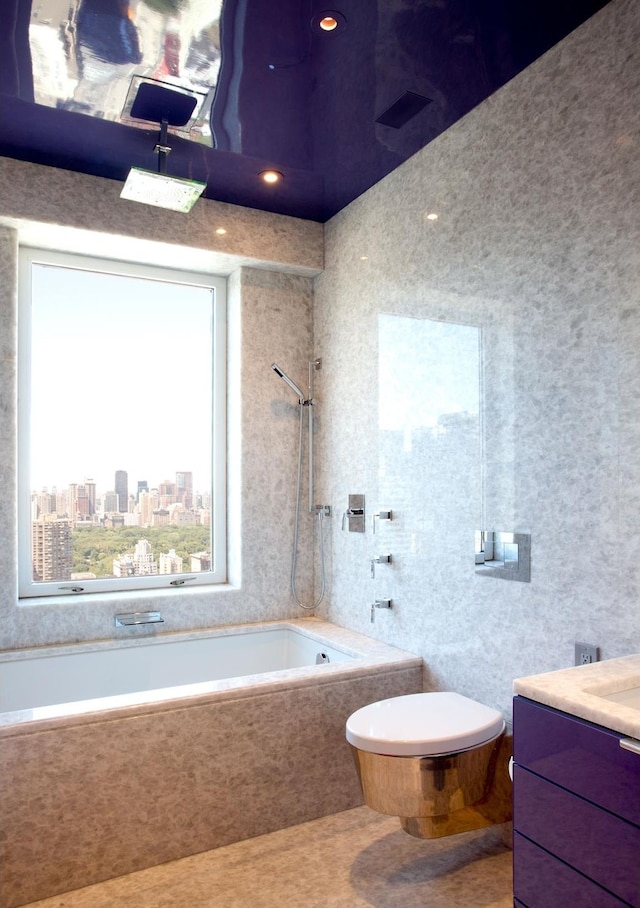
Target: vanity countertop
[(606, 693)]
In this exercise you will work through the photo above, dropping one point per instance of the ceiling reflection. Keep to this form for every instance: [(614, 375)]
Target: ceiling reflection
[(91, 56), (331, 109)]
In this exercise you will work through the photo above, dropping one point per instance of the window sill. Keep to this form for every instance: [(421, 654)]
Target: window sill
[(130, 597)]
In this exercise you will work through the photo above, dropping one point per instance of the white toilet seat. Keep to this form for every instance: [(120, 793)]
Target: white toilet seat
[(423, 725)]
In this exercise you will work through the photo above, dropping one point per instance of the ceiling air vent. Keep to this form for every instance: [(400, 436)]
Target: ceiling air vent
[(402, 109)]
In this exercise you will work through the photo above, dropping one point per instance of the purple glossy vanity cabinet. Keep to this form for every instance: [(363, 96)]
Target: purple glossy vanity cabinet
[(576, 812)]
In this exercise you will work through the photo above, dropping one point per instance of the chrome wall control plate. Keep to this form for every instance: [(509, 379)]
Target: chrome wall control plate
[(354, 516)]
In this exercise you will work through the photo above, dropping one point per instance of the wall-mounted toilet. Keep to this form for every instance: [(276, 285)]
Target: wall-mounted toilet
[(439, 761)]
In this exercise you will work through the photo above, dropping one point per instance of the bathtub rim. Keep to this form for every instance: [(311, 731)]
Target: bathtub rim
[(369, 656), (154, 635)]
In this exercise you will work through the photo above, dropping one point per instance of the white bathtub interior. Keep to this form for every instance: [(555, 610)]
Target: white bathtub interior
[(59, 675)]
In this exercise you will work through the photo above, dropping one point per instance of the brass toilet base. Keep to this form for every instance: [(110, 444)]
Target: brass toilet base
[(439, 796)]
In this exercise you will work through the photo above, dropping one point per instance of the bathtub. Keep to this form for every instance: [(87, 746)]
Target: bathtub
[(119, 756), (47, 681)]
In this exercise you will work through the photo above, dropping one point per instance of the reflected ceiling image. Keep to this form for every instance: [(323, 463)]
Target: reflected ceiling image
[(331, 99)]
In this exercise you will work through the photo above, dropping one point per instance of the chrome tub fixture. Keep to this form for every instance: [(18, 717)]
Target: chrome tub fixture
[(131, 619)]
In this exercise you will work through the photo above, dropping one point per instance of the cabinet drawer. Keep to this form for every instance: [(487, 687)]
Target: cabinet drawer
[(542, 881), (603, 847), (582, 757)]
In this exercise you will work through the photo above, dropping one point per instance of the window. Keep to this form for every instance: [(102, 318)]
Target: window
[(121, 426)]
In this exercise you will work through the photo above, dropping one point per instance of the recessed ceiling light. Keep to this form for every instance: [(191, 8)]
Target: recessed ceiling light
[(329, 20), (271, 176), (221, 231), (432, 216)]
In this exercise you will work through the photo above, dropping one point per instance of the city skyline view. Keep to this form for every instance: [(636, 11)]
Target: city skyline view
[(132, 484), (81, 533)]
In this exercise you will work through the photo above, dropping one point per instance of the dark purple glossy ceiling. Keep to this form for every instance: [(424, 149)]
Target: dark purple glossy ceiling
[(333, 112)]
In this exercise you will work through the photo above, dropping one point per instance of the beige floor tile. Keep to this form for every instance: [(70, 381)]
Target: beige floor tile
[(347, 860)]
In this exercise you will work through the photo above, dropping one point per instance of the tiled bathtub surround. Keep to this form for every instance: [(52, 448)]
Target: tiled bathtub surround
[(536, 249), (97, 795)]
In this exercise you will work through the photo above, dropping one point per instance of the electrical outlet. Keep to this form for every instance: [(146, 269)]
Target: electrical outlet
[(586, 653)]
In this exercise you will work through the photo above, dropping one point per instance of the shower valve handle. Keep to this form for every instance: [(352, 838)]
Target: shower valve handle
[(380, 515), (379, 559), (379, 603)]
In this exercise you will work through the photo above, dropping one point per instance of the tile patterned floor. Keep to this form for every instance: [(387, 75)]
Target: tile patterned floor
[(347, 860)]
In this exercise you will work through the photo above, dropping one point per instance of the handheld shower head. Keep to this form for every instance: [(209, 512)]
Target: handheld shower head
[(283, 375)]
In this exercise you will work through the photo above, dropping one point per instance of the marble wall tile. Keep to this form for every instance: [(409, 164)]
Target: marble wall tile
[(8, 385), (537, 244), (53, 205)]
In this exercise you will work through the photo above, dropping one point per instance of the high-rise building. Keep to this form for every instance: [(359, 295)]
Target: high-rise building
[(83, 503), (181, 517), (122, 490), (200, 561), (45, 502), (62, 502), (149, 501), (72, 503), (143, 486), (109, 502), (143, 559), (123, 566), (90, 486), (139, 564), (169, 563), (167, 490), (160, 517), (51, 548), (184, 489)]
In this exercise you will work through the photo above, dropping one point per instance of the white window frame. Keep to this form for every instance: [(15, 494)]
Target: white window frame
[(28, 589)]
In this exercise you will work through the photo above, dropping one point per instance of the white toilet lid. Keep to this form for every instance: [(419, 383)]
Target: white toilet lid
[(424, 725)]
